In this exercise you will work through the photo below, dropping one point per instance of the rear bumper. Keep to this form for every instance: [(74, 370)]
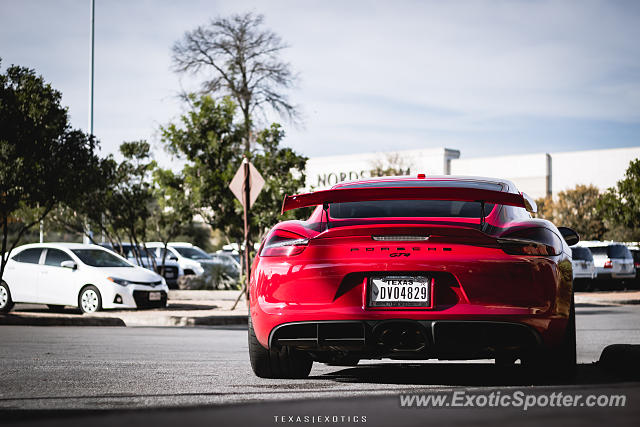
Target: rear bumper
[(402, 338), (608, 275)]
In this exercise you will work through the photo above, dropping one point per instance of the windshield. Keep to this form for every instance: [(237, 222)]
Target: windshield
[(414, 208), (192, 252), (99, 258), (582, 254)]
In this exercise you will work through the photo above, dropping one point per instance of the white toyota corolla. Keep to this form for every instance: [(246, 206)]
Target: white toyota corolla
[(85, 276)]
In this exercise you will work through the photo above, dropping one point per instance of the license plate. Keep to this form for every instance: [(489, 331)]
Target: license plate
[(169, 275), (400, 291), (155, 296)]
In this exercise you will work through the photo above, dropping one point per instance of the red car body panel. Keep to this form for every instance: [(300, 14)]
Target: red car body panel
[(474, 278)]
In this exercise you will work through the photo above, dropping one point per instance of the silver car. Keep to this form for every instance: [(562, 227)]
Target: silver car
[(612, 261), (582, 263)]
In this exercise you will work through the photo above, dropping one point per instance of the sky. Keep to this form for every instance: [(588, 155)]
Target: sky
[(484, 77)]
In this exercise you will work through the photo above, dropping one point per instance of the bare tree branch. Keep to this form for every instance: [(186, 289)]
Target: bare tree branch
[(237, 57)]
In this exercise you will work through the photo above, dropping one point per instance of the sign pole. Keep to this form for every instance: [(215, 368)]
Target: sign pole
[(246, 185), (247, 198)]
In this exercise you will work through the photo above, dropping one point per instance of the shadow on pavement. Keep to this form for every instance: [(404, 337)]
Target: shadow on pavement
[(618, 363)]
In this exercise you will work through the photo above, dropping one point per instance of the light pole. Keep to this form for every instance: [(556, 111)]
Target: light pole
[(85, 238)]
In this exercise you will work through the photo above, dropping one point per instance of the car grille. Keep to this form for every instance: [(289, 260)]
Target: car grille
[(142, 299)]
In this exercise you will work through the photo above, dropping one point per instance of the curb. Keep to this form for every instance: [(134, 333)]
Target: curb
[(163, 321), (16, 319), (209, 320)]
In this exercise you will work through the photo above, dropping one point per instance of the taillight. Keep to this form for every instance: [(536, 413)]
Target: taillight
[(536, 241), (608, 264), (284, 243)]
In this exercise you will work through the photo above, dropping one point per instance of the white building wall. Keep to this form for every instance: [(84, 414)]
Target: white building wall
[(324, 172), (602, 168), (529, 172), (537, 174)]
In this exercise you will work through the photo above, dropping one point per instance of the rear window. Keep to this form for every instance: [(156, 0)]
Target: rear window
[(618, 251), (599, 250), (30, 256), (414, 208), (612, 251), (582, 254)]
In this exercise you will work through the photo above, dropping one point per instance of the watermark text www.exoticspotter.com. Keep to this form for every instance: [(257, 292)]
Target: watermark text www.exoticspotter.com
[(319, 419), (515, 399)]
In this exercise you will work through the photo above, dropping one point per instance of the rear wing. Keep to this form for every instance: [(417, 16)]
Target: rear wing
[(461, 194)]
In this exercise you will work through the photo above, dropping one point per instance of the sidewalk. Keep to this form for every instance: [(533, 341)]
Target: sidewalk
[(608, 298), (185, 308), (207, 308)]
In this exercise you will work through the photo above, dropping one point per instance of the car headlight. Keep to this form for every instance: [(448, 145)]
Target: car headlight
[(121, 282)]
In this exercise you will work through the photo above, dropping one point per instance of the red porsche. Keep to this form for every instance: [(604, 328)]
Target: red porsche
[(413, 268)]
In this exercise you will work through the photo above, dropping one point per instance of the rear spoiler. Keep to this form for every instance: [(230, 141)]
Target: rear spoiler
[(461, 194)]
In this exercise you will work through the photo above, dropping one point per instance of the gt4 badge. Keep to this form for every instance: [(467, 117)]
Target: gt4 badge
[(397, 254)]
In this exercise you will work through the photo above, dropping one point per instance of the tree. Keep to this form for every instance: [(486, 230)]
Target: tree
[(391, 164), (172, 208), (238, 58), (283, 170), (128, 204), (545, 208), (620, 205), (43, 161), (577, 209), (208, 138), (89, 207)]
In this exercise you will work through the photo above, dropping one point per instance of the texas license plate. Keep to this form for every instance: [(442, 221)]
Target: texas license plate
[(400, 291), (155, 296)]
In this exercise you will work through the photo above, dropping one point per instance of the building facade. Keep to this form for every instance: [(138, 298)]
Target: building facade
[(539, 175)]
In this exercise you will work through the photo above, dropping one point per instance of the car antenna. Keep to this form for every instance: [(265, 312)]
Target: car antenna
[(325, 209)]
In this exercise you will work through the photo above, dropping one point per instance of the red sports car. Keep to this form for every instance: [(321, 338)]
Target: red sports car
[(412, 268)]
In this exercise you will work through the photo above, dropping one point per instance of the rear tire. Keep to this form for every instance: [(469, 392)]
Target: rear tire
[(89, 300), (283, 363), (6, 303), (560, 362)]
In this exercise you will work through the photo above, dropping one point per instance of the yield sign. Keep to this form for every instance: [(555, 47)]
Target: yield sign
[(256, 182)]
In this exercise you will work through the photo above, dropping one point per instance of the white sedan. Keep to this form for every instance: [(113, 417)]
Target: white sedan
[(85, 276)]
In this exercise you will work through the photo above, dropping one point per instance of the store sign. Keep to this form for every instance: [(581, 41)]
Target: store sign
[(332, 178)]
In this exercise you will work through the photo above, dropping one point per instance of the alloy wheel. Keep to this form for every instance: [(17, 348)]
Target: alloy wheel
[(89, 301), (4, 297)]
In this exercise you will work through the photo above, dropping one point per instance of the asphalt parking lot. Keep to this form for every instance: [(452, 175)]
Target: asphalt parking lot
[(119, 369)]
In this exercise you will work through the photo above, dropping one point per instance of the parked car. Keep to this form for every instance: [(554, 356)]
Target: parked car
[(190, 258), (635, 252), (613, 261), (89, 277), (227, 263), (148, 260), (584, 270), (413, 268)]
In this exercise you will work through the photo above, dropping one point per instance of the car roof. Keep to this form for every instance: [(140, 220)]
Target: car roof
[(509, 186), (60, 245), (597, 243), (170, 244)]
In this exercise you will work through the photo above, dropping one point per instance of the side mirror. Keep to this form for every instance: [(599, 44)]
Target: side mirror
[(570, 236), (173, 258), (69, 264), (529, 204)]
